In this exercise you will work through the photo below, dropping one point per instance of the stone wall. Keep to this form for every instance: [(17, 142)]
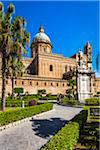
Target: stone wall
[(32, 84), (54, 66), (97, 85)]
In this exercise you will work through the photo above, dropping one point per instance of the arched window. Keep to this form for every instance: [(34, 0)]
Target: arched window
[(15, 82), (22, 82), (51, 84), (44, 49), (51, 68), (70, 68), (57, 84), (28, 71), (45, 83), (66, 68), (30, 82), (37, 83), (6, 81)]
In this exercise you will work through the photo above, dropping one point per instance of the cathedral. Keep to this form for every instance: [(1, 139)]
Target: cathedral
[(45, 70)]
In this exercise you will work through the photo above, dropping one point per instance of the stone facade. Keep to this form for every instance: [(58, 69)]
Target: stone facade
[(45, 70), (97, 85)]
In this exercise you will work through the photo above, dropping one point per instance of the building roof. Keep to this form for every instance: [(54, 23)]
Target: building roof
[(41, 36)]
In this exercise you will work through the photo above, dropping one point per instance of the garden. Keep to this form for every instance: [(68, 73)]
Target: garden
[(80, 133), (24, 100)]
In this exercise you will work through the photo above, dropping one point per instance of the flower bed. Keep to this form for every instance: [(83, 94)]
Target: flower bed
[(21, 113)]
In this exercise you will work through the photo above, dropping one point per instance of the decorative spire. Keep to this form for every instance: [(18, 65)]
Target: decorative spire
[(41, 29), (88, 44)]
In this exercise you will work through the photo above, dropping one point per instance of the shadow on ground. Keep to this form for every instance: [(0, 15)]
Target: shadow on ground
[(46, 128)]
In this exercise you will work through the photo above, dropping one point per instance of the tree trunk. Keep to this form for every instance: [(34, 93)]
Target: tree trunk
[(3, 82), (12, 79)]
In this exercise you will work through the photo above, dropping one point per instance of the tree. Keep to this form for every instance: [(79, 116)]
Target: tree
[(5, 44), (15, 68), (18, 91), (71, 92), (13, 41)]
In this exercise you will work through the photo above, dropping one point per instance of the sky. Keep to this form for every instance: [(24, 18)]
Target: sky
[(69, 24)]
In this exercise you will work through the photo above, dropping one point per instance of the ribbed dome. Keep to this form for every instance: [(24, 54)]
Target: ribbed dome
[(41, 36)]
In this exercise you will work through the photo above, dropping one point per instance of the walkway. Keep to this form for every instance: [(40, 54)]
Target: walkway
[(35, 133)]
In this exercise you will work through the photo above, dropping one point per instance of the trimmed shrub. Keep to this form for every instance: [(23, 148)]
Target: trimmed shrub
[(48, 97), (15, 103), (21, 113), (18, 102), (51, 97), (81, 118), (43, 91), (68, 136), (43, 98), (32, 103), (66, 101), (92, 101), (18, 90)]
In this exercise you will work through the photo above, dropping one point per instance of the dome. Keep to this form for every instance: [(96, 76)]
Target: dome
[(41, 36)]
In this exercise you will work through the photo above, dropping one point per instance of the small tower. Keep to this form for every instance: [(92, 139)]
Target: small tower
[(88, 53), (84, 73)]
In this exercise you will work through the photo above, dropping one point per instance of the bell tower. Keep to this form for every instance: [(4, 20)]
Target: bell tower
[(85, 74), (88, 53)]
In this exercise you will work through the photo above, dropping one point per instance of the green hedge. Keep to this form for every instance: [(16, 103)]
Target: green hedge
[(15, 103), (66, 101), (68, 136), (48, 97), (92, 101), (81, 118), (21, 113), (18, 103)]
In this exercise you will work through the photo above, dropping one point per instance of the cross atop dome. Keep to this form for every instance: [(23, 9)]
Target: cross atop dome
[(41, 29), (42, 37)]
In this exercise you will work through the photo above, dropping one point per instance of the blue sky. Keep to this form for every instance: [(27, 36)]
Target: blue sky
[(69, 24)]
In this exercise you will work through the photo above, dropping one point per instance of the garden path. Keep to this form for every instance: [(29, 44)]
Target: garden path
[(35, 133)]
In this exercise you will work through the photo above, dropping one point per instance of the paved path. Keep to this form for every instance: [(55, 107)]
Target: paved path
[(35, 133)]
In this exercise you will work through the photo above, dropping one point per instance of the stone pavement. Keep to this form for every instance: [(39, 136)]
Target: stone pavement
[(35, 133)]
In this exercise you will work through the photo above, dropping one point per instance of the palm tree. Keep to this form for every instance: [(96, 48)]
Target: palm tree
[(5, 44), (14, 40), (15, 68)]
